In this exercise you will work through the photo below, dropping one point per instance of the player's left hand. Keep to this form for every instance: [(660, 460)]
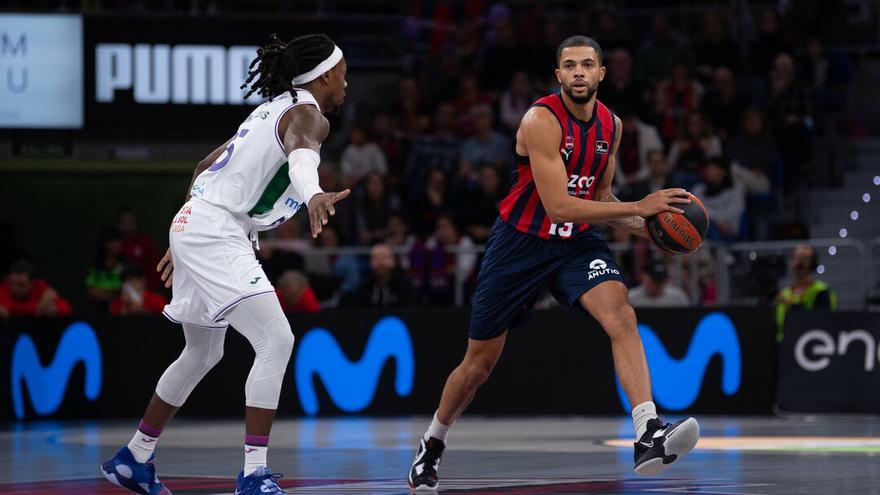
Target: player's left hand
[(166, 267), (321, 209)]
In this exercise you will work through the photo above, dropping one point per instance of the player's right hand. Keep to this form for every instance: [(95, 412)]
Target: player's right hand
[(166, 267), (661, 201), (321, 209)]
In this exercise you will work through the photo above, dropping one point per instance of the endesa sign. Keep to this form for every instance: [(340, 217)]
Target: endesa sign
[(830, 362)]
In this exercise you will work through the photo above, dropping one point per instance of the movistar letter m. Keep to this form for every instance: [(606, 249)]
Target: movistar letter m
[(677, 382), (352, 384), (47, 385)]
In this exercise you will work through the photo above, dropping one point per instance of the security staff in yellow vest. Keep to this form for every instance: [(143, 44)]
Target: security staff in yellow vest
[(804, 293)]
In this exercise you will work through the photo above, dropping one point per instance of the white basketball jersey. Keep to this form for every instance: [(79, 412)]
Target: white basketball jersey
[(251, 176)]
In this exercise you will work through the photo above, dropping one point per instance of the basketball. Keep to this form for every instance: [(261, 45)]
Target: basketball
[(679, 233)]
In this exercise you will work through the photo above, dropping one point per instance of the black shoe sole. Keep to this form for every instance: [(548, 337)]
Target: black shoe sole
[(678, 443), (422, 488)]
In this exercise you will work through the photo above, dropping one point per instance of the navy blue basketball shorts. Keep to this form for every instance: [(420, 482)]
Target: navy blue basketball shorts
[(518, 266)]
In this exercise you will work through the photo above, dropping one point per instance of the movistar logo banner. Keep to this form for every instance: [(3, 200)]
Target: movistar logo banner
[(352, 384), (47, 385), (677, 382)]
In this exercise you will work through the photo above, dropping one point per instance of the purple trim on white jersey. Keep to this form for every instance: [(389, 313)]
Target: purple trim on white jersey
[(294, 104), (277, 121), (166, 314), (219, 314)]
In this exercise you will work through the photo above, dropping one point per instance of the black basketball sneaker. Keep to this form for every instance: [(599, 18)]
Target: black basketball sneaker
[(423, 473), (661, 445)]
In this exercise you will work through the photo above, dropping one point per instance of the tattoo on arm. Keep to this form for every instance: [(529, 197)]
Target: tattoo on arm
[(304, 127), (635, 225)]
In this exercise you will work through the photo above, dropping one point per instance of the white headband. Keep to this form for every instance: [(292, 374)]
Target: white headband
[(323, 67)]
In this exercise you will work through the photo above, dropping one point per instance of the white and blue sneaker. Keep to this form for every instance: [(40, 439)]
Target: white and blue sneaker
[(262, 481), (139, 477)]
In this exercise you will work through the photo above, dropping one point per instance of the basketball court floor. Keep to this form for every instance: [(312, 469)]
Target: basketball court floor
[(485, 456)]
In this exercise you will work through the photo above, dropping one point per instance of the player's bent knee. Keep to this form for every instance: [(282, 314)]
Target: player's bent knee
[(285, 342), (476, 374), (198, 361), (213, 357), (628, 317), (281, 339), (179, 380), (275, 344), (620, 322)]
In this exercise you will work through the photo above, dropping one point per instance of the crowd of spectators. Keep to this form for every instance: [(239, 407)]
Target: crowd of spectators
[(731, 119)]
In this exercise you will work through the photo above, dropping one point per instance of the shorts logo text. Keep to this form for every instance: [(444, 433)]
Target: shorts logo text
[(599, 268)]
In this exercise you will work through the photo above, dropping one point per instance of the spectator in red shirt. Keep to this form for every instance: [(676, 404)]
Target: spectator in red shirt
[(137, 247), (295, 294), (23, 295), (135, 298)]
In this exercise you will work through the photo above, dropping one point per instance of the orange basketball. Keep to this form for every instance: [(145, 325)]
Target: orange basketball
[(679, 233)]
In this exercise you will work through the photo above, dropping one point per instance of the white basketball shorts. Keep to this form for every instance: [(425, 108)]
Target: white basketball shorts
[(215, 267)]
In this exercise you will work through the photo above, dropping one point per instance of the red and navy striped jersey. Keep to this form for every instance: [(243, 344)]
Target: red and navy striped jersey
[(585, 149)]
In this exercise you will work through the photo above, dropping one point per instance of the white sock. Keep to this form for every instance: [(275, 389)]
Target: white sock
[(254, 458), (437, 430), (142, 446), (641, 414)]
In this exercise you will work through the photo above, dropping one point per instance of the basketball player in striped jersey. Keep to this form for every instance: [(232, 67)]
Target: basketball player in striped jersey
[(545, 235), (255, 181)]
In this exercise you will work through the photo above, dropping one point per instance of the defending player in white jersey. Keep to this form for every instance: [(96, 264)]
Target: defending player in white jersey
[(255, 181)]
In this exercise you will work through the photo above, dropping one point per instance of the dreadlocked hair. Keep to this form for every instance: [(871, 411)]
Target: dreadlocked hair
[(278, 63)]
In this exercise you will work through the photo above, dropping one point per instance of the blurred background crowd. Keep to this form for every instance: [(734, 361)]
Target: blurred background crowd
[(736, 102)]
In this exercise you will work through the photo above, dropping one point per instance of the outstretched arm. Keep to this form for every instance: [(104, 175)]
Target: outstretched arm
[(305, 130)]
